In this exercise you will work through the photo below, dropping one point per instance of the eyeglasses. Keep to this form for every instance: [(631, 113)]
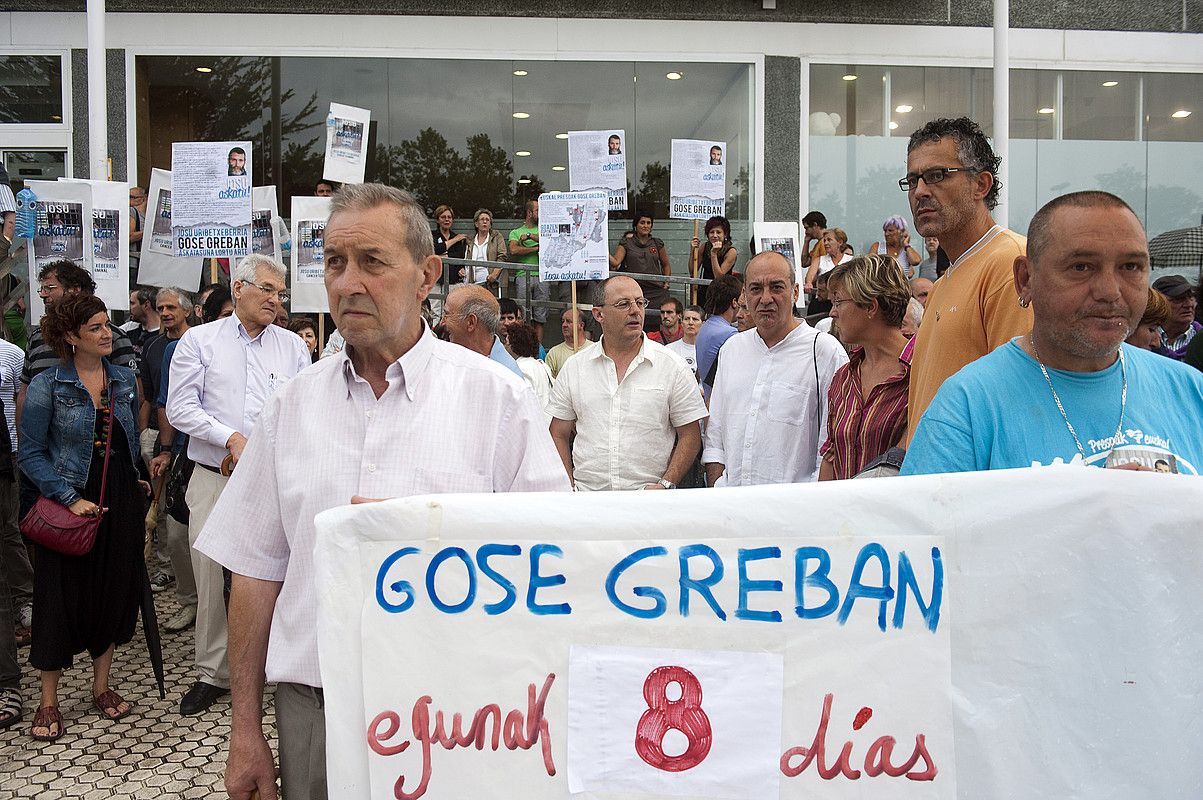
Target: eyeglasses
[(838, 303), (282, 294), (625, 305), (47, 288), (930, 177)]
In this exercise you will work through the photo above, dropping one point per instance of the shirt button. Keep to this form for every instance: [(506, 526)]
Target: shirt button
[(371, 467), (369, 415)]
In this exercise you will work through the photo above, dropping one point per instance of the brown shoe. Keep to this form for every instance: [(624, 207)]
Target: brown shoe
[(46, 717)]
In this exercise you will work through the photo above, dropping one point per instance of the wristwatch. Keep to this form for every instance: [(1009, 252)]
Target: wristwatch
[(667, 484)]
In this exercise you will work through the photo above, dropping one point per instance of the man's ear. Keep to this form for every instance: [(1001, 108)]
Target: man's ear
[(983, 182), (1022, 269)]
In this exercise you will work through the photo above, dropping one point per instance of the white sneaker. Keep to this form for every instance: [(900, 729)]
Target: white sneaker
[(184, 619), (25, 615)]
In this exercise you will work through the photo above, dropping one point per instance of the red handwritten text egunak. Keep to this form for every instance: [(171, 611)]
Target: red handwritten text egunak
[(518, 732)]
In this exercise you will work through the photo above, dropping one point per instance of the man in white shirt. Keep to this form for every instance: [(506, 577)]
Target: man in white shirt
[(633, 406), (768, 410), (221, 375), (686, 346), (401, 413), (13, 555)]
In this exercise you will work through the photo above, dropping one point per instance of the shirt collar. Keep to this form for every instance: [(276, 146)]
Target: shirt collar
[(599, 352), (406, 371)]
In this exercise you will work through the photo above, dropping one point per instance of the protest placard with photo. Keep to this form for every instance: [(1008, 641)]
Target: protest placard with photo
[(597, 161), (309, 216), (347, 129), (698, 183), (109, 262), (159, 265), (573, 240), (267, 230), (780, 237), (63, 231), (211, 198)]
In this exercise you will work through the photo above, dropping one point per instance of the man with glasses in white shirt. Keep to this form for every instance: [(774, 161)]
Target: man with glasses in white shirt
[(952, 184), (395, 414), (633, 406), (221, 374)]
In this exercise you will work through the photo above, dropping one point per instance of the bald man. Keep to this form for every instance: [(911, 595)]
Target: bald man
[(472, 318)]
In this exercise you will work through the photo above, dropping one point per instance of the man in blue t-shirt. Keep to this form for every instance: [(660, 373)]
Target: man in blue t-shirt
[(1070, 390), (722, 304)]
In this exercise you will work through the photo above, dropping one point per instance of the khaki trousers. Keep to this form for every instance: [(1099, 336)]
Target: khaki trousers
[(212, 631), (301, 724)]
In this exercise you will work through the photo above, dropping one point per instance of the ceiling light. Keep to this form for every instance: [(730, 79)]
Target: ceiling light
[(524, 180), (674, 76), (205, 70), (1181, 113), (56, 117), (558, 168), (561, 136), (520, 72), (522, 153), (904, 109), (554, 191), (1047, 110), (849, 77), (893, 125), (520, 115), (1109, 84)]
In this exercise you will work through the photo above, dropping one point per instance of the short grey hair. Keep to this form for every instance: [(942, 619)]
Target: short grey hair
[(914, 311), (182, 298), (248, 267), (486, 309), (415, 228)]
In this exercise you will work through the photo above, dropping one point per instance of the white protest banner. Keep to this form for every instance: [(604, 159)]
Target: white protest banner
[(596, 161), (309, 215), (158, 264), (573, 236), (346, 143), (64, 231), (211, 198), (109, 263), (698, 183), (780, 237), (988, 635)]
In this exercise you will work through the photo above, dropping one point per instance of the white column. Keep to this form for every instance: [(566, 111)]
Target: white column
[(1002, 103), (98, 122)]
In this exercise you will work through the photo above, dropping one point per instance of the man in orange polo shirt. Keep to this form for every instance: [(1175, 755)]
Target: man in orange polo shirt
[(952, 186)]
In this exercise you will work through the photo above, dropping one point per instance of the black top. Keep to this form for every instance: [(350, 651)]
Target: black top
[(457, 250)]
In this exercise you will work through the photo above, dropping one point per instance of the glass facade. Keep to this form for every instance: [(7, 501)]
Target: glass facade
[(1138, 135), (31, 90)]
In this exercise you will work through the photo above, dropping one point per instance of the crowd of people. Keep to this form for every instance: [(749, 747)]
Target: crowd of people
[(984, 350)]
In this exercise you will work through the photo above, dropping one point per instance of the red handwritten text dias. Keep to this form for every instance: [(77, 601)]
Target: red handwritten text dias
[(684, 714), (517, 732), (877, 757)]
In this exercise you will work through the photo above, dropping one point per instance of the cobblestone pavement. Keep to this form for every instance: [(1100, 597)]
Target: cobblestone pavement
[(152, 753)]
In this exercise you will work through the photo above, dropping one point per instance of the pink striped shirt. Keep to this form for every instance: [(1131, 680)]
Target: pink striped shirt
[(859, 428)]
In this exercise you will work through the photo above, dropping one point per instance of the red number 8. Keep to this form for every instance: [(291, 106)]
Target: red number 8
[(662, 715)]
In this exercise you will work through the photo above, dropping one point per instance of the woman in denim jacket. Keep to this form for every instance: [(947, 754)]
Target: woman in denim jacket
[(87, 602)]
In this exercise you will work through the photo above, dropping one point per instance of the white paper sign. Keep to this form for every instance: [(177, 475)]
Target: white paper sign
[(64, 231), (109, 263), (267, 234), (309, 215), (211, 198), (597, 161), (158, 264), (780, 237), (573, 236), (1067, 634), (346, 143), (698, 183)]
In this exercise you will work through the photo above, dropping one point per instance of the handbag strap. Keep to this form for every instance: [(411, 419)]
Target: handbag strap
[(108, 449)]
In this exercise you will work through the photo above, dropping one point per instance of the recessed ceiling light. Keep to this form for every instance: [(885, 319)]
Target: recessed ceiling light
[(561, 136), (1109, 84), (674, 76), (520, 72), (904, 109), (522, 153), (1181, 113), (893, 125), (56, 118), (205, 70), (524, 180), (1047, 110), (558, 168), (520, 115), (849, 77)]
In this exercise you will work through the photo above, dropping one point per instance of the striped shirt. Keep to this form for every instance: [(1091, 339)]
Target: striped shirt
[(42, 357), (859, 428), (11, 359)]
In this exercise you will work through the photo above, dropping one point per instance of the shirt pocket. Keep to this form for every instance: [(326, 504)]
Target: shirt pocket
[(647, 410), (789, 404), (431, 481)]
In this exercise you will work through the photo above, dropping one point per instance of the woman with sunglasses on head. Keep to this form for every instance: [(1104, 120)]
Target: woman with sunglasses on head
[(73, 414)]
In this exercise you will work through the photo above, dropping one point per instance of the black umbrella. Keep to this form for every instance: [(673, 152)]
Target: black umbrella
[(1178, 249), (150, 626)]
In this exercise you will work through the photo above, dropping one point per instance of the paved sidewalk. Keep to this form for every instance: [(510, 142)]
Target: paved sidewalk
[(152, 753)]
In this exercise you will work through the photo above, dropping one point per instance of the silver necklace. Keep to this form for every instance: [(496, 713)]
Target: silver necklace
[(1123, 398)]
